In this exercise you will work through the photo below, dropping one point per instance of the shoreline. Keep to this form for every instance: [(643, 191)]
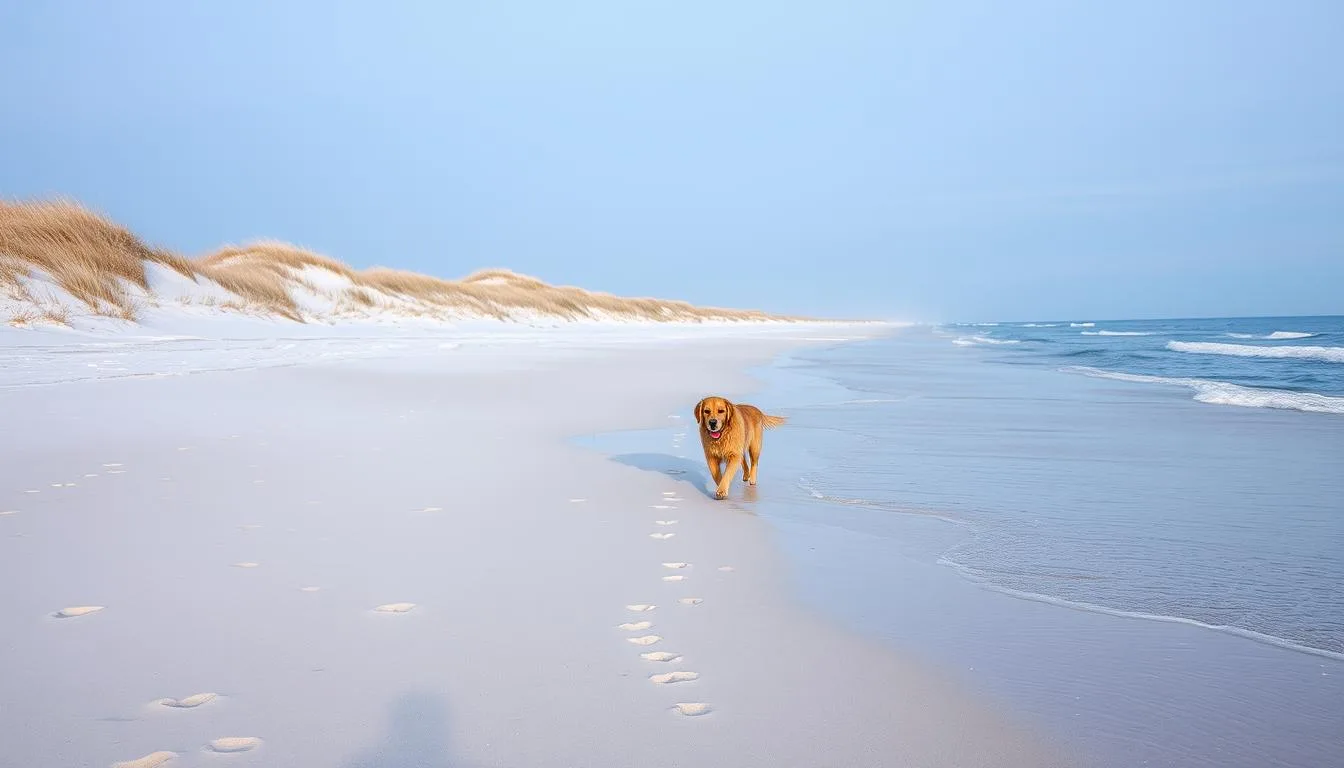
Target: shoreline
[(968, 573), (1260, 638), (445, 481), (1116, 688)]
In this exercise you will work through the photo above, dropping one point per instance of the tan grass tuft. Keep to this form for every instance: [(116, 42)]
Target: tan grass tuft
[(361, 297), (13, 272), (498, 275), (24, 317), (85, 253), (434, 291), (254, 284), (58, 314), (262, 272), (276, 256)]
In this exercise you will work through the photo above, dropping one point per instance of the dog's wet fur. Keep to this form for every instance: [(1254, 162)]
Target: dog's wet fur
[(731, 435)]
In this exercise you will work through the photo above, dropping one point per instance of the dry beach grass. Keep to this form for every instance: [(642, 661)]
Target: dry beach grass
[(102, 265)]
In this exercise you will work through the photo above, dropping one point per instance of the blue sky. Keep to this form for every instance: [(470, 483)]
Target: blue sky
[(934, 161)]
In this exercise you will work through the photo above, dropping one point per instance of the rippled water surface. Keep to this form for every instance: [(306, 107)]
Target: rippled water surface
[(1118, 494)]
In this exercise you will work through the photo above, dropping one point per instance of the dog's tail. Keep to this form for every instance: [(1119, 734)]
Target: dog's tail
[(770, 422)]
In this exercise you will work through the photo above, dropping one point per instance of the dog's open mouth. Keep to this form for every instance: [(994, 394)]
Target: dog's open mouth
[(715, 435)]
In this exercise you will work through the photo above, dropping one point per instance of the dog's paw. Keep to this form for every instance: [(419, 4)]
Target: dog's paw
[(719, 494)]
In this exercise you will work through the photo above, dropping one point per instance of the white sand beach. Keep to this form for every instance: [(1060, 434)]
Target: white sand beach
[(407, 560), (349, 360)]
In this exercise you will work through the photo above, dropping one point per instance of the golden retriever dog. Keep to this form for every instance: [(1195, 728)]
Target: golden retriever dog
[(731, 436)]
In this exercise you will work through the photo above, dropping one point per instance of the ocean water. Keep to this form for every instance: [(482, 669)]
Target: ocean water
[(1284, 362), (1132, 533), (1187, 470)]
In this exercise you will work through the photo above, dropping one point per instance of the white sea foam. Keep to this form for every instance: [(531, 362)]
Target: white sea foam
[(1275, 336), (1250, 634), (1222, 393), (1081, 325), (970, 341), (1118, 333), (1040, 325), (1326, 354)]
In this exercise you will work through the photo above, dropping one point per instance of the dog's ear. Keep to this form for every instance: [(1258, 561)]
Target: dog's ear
[(700, 406), (732, 412)]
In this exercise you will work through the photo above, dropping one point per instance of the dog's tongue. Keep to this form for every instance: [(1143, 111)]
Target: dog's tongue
[(715, 435)]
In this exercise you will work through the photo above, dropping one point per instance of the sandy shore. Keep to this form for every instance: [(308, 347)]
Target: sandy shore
[(241, 530)]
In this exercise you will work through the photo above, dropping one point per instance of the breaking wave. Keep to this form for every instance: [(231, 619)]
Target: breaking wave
[(1275, 336), (1326, 354), (970, 341), (1222, 393)]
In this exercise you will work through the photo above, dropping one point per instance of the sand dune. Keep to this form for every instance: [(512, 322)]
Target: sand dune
[(61, 263)]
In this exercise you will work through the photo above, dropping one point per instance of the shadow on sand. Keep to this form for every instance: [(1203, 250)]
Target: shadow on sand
[(693, 473), (417, 736)]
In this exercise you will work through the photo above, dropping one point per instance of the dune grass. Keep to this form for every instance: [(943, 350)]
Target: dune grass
[(85, 253), (98, 262)]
